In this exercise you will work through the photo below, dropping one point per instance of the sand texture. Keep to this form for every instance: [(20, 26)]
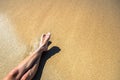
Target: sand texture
[(85, 37)]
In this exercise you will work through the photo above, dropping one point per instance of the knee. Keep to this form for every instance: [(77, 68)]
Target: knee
[(12, 75), (26, 76), (14, 72)]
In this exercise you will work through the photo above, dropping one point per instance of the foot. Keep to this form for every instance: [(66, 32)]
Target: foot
[(44, 41)]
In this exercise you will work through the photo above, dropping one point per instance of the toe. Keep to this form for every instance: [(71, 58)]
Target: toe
[(47, 37), (42, 37)]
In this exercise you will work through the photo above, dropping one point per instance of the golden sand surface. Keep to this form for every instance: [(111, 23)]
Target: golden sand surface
[(87, 33)]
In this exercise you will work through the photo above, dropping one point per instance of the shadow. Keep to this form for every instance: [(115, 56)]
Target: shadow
[(43, 60)]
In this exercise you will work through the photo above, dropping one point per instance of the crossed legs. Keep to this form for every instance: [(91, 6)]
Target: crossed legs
[(27, 68)]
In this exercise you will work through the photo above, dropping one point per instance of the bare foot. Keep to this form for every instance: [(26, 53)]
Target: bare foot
[(44, 41)]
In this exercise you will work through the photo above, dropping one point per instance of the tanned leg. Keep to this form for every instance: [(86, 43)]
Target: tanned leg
[(31, 72), (27, 69)]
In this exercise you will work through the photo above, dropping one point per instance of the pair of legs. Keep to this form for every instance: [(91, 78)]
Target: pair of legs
[(27, 68)]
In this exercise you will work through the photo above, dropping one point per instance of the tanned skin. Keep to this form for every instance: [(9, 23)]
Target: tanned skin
[(27, 69)]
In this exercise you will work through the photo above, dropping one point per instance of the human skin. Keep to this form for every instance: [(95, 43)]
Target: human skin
[(28, 67)]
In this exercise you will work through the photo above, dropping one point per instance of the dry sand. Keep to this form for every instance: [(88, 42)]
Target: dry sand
[(86, 31)]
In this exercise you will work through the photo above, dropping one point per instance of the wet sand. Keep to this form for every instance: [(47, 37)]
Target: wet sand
[(86, 32)]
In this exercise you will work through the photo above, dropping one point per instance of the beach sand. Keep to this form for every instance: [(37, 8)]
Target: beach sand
[(85, 37)]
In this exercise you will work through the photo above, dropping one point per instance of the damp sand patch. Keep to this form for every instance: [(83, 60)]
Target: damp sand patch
[(11, 49)]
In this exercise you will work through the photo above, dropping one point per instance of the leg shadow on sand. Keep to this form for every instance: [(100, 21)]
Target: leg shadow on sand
[(43, 60)]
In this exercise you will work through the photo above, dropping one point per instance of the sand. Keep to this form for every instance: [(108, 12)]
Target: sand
[(85, 37)]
